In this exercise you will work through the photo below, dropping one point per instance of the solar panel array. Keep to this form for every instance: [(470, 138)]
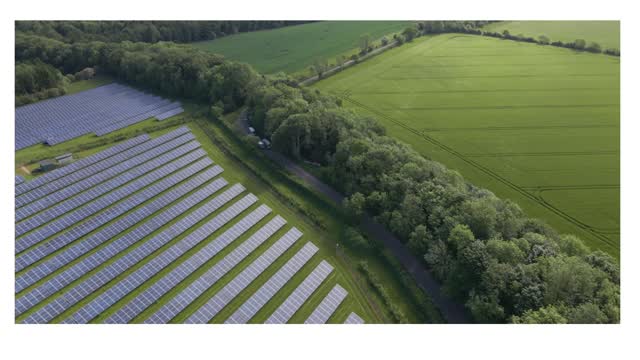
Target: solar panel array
[(207, 311), (328, 306), (101, 110), (61, 221), (121, 225), (19, 180), (215, 273), (170, 113), (38, 199), (300, 295), (353, 318), (82, 163), (31, 256), (249, 309), (102, 302), (142, 232)]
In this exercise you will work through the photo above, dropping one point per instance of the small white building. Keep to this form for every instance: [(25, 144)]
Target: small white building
[(64, 159)]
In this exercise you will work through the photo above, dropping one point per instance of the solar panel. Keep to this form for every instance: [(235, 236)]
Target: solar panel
[(99, 279), (29, 203), (133, 120), (221, 299), (300, 295), (173, 278), (170, 113), (116, 228), (100, 229), (353, 318), (122, 243), (173, 253), (215, 273), (251, 307), (80, 164), (83, 205), (72, 177), (328, 306), (66, 117), (75, 216)]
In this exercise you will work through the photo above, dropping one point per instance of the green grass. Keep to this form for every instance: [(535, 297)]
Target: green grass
[(360, 299), (82, 85), (535, 124), (294, 48), (605, 33)]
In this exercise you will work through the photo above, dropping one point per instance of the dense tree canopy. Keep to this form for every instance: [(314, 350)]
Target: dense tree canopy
[(36, 80), (143, 31), (171, 69)]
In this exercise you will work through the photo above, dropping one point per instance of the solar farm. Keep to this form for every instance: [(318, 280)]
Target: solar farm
[(149, 231), (101, 110)]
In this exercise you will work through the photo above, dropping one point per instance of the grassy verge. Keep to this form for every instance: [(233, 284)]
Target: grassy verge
[(82, 85)]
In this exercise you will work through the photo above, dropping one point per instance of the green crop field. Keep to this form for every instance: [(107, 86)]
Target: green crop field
[(293, 48), (536, 124), (605, 33)]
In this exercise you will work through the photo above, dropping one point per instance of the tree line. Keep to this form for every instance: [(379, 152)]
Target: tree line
[(175, 70), (143, 31), (474, 27), (503, 265), (36, 80)]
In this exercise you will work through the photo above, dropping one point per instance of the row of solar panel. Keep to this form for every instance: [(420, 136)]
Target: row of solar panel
[(143, 274), (120, 244), (79, 110), (78, 216), (100, 110), (207, 311), (131, 282), (129, 311), (108, 273), (158, 113), (247, 310), (118, 113), (251, 307), (170, 113), (114, 190), (70, 107), (95, 174), (77, 231), (82, 163), (120, 226)]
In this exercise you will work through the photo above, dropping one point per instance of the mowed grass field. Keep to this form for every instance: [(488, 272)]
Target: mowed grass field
[(605, 33), (295, 48), (535, 124)]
